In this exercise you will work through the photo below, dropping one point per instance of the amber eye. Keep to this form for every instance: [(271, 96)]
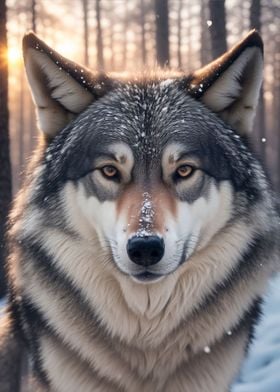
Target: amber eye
[(184, 171), (110, 172)]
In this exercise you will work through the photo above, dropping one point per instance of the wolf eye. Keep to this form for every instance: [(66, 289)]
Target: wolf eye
[(184, 171), (110, 172)]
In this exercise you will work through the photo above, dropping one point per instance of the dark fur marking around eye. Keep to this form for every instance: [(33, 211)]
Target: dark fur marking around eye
[(123, 159)]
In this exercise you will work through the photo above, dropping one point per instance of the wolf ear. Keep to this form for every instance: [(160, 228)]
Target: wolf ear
[(230, 85), (61, 89)]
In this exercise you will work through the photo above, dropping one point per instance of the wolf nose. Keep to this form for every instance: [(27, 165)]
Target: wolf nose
[(146, 250)]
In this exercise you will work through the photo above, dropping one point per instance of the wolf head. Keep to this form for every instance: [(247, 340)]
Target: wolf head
[(151, 167)]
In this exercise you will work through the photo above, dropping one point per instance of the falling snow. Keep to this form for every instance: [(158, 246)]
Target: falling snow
[(207, 349)]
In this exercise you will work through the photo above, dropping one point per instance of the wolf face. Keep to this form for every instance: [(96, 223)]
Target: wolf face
[(146, 186), (151, 166)]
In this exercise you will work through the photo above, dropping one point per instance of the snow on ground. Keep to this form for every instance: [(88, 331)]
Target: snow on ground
[(2, 305), (261, 370)]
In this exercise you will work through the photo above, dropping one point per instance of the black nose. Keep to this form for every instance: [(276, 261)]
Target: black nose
[(146, 250)]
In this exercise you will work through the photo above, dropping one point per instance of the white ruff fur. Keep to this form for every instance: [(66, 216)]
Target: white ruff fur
[(143, 313)]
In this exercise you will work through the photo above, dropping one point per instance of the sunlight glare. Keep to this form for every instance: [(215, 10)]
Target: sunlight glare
[(14, 55), (66, 49)]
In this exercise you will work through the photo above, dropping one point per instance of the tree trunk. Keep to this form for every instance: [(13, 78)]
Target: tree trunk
[(143, 33), (260, 121), (218, 27), (255, 15), (5, 172), (85, 19), (162, 32), (179, 33), (99, 40), (276, 110), (190, 64), (205, 51), (112, 37), (125, 26), (33, 15), (21, 122)]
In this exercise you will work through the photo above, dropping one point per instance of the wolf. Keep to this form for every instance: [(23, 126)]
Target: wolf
[(143, 239)]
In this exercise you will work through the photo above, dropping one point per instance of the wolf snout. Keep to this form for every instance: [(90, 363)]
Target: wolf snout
[(145, 251)]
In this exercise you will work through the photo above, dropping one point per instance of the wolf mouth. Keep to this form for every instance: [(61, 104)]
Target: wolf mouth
[(147, 276)]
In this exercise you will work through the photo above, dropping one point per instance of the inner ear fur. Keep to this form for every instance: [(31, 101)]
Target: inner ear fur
[(230, 85), (61, 89)]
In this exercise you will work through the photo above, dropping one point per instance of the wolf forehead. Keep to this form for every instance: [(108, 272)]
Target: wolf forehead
[(150, 113), (146, 116)]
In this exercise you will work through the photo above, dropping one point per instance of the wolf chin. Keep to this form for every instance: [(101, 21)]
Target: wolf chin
[(146, 231)]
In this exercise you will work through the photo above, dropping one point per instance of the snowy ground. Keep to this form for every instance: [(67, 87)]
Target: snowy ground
[(2, 304), (261, 370)]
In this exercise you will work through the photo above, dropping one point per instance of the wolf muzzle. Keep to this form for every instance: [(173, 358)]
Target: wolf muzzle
[(145, 251)]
